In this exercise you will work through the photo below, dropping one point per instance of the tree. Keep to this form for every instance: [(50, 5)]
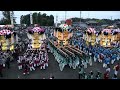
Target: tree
[(35, 18), (6, 17), (38, 18)]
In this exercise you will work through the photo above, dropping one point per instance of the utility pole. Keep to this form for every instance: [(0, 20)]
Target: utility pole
[(80, 16), (11, 17), (31, 19), (88, 14), (65, 15), (56, 20), (111, 17)]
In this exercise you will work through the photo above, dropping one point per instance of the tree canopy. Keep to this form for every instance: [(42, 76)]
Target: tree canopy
[(38, 18), (6, 18)]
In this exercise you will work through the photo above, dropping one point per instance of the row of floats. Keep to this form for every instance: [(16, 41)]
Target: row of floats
[(106, 37)]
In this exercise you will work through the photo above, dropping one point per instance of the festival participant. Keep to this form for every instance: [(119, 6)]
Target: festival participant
[(113, 58), (108, 68), (85, 64), (35, 61), (90, 61), (101, 57), (31, 65), (95, 57), (46, 60), (42, 65), (19, 63), (118, 57), (81, 70), (26, 69)]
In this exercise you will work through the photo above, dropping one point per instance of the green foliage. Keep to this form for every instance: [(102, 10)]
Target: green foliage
[(38, 18), (100, 21), (6, 18)]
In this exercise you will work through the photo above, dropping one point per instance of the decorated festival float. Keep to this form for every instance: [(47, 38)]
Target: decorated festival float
[(7, 38), (64, 53), (37, 37), (90, 36)]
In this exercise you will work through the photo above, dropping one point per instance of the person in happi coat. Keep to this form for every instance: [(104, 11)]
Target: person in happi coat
[(95, 56), (42, 65), (118, 57), (31, 65), (108, 68), (106, 62), (90, 61), (85, 63), (19, 63), (113, 58), (26, 69), (101, 57), (35, 61)]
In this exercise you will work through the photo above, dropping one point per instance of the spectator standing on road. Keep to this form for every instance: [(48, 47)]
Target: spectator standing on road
[(8, 62), (90, 76), (1, 68), (116, 69), (106, 75), (114, 77), (81, 70)]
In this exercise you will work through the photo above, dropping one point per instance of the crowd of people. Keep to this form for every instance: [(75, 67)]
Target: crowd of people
[(32, 59), (97, 53), (98, 74), (6, 57)]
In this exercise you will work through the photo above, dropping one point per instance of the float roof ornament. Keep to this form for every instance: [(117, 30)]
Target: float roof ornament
[(116, 30), (5, 31), (106, 30), (91, 30), (64, 27), (37, 29)]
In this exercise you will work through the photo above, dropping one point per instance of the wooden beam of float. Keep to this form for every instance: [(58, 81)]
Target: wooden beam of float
[(60, 51), (73, 50), (63, 53), (68, 52), (78, 50)]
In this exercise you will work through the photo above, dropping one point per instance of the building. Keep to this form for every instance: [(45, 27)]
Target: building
[(92, 23), (79, 24), (63, 22), (117, 24)]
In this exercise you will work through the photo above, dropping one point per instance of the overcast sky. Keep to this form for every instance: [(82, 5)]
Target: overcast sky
[(70, 14)]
